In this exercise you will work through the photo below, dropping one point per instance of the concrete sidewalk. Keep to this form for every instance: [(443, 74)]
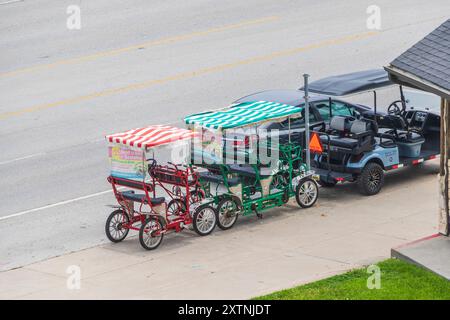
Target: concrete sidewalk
[(288, 247), (432, 253)]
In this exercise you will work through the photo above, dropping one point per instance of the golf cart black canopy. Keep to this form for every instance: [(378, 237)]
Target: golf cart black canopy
[(350, 83)]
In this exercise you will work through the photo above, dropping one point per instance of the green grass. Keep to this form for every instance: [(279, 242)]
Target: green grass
[(399, 281)]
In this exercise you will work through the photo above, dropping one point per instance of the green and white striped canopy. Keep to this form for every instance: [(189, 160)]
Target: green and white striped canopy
[(242, 114)]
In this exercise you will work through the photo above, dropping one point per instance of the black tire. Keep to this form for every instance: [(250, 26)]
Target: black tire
[(144, 237), (199, 215), (371, 179), (306, 193), (113, 229), (327, 184), (227, 222)]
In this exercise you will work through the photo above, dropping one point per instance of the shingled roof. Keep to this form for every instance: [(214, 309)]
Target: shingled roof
[(428, 60)]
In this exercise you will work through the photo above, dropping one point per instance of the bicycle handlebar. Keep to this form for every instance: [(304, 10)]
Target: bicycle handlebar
[(173, 164)]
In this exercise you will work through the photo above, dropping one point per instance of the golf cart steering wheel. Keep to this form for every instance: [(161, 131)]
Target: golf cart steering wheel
[(395, 109)]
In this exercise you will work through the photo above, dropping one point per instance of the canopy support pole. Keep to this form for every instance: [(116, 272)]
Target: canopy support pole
[(375, 106), (306, 97), (289, 127), (402, 97)]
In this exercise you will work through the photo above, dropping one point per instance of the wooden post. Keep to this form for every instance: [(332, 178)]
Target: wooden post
[(444, 169)]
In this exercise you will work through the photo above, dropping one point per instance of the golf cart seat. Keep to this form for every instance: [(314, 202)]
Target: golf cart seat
[(409, 137), (340, 125), (385, 141), (359, 139), (396, 127), (347, 143), (218, 178)]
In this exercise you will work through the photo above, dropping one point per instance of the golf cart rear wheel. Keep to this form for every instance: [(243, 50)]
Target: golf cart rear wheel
[(227, 213), (371, 179), (306, 193), (150, 233), (204, 219), (114, 226)]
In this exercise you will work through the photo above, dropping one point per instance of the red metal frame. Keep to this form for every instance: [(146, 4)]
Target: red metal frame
[(183, 181)]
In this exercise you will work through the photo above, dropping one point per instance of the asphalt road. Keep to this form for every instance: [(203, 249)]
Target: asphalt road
[(136, 63)]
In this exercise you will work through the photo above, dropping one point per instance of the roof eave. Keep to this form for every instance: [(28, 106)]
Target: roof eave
[(408, 79)]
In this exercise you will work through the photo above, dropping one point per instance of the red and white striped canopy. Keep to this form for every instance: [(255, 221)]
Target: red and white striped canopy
[(151, 136)]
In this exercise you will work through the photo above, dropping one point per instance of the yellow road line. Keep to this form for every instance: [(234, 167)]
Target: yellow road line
[(185, 75), (162, 41)]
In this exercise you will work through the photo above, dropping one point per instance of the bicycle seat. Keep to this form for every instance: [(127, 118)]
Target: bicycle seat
[(359, 139)]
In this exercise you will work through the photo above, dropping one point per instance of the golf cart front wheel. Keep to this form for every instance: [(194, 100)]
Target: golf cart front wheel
[(306, 193), (204, 219), (371, 179), (227, 213)]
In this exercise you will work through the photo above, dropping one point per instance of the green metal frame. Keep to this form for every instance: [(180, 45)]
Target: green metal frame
[(289, 155)]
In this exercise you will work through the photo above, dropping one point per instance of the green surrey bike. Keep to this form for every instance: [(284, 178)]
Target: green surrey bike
[(251, 185)]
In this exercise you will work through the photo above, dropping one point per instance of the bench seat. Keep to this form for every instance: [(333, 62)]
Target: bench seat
[(140, 197), (218, 178)]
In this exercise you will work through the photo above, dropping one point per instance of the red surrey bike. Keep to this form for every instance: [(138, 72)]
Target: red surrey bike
[(160, 203)]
